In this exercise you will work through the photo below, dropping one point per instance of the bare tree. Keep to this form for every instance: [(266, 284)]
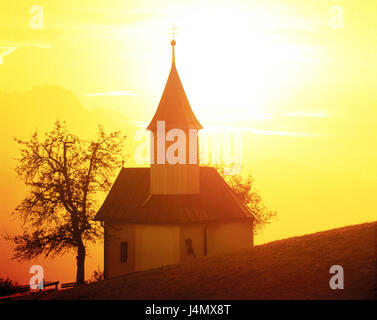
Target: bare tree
[(97, 275), (244, 188), (64, 175)]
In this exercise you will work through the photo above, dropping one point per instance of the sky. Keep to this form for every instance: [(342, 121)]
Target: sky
[(296, 79)]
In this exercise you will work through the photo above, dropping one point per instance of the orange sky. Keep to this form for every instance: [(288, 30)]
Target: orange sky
[(301, 93)]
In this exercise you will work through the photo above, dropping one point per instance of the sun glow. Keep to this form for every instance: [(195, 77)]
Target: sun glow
[(232, 62)]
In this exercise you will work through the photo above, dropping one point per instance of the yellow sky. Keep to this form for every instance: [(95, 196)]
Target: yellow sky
[(301, 92)]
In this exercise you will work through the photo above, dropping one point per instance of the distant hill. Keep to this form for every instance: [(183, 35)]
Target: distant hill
[(294, 268), (40, 107)]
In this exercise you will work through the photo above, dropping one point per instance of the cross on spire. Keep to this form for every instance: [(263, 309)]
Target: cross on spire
[(173, 30), (172, 42)]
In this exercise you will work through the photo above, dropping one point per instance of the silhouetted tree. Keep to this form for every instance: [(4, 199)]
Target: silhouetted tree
[(244, 189), (6, 286), (63, 174), (97, 275)]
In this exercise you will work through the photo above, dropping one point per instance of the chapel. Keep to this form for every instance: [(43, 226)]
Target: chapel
[(175, 210)]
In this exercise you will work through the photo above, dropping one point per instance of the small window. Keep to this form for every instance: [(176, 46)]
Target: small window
[(123, 251), (189, 247)]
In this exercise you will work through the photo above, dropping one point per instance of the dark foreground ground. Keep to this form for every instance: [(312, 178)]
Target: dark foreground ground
[(294, 268)]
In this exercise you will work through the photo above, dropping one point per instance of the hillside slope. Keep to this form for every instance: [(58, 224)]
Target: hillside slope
[(294, 268)]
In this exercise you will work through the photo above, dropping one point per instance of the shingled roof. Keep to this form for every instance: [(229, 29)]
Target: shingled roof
[(129, 200)]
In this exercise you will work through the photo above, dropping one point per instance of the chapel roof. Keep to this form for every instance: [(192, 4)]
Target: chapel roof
[(129, 200)]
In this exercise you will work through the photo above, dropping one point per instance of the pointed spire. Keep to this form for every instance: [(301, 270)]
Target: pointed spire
[(174, 107)]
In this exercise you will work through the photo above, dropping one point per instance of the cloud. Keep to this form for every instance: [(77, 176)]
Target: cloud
[(8, 47), (283, 133), (276, 132), (5, 51), (307, 114), (24, 44), (111, 93)]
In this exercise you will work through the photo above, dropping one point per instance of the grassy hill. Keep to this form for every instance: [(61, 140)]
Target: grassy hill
[(294, 268)]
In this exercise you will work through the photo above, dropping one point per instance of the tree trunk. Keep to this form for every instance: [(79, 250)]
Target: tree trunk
[(81, 253)]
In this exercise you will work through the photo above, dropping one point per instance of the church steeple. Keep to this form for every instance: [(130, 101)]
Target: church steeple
[(174, 107), (169, 173)]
